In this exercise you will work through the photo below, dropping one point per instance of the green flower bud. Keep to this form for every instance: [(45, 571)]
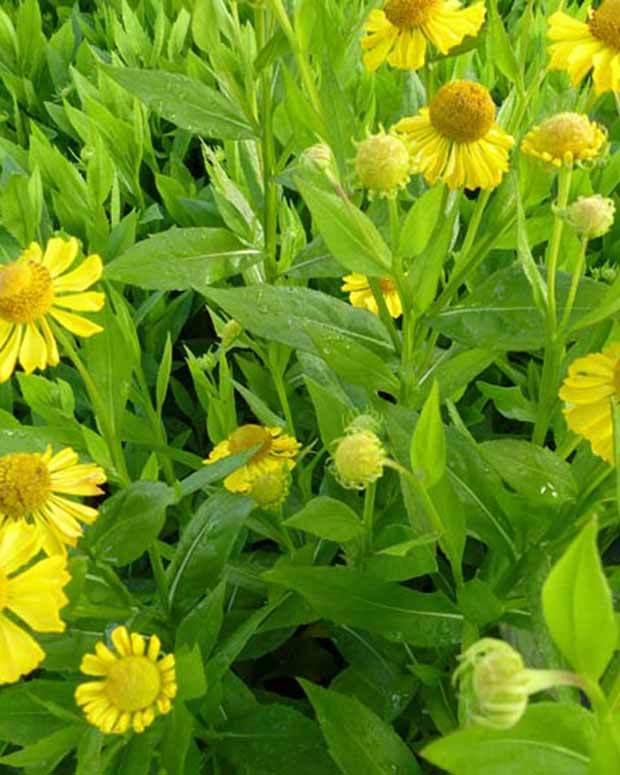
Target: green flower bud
[(359, 456), (383, 164), (271, 488), (230, 332), (591, 216)]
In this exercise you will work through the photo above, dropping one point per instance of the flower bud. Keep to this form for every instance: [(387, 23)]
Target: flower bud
[(359, 457), (591, 216), (495, 685), (320, 158), (382, 164), (269, 489), (230, 332)]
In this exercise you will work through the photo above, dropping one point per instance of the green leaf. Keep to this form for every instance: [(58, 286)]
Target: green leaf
[(213, 472), (274, 739), (163, 375), (186, 102), (130, 521), (48, 751), (551, 738), (281, 314), (89, 753), (359, 741), (420, 222), (180, 259), (349, 597), (350, 235), (203, 623), (206, 543), (135, 758), (327, 518), (428, 445), (190, 672), (578, 606), (23, 717)]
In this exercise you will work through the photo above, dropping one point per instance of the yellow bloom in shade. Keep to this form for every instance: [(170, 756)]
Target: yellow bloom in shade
[(33, 595), (580, 47), (457, 140), (32, 489), (564, 139), (401, 31), (37, 287), (592, 383), (361, 295), (137, 682), (276, 450)]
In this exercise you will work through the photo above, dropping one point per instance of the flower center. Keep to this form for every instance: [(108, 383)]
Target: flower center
[(408, 13), (133, 683), (605, 23), (25, 484), (271, 488), (387, 285), (462, 111), (26, 291), (566, 133), (248, 436)]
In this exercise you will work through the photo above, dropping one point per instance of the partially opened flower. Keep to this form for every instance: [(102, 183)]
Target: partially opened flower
[(591, 384), (275, 449), (457, 140), (34, 595), (136, 682), (580, 47), (33, 487), (400, 32), (382, 164), (565, 138), (361, 295), (37, 287)]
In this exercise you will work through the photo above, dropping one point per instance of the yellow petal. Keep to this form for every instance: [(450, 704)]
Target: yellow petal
[(19, 543), (122, 642), (9, 353), (75, 323), (53, 358), (20, 654), (83, 277), (60, 254), (33, 352), (89, 301), (36, 596)]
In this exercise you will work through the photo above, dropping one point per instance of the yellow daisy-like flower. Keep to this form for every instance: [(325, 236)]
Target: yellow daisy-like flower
[(457, 140), (33, 595), (565, 138), (580, 47), (591, 384), (37, 287), (276, 450), (400, 32), (32, 486), (137, 682), (361, 295)]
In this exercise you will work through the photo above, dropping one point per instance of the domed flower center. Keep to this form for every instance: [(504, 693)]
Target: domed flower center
[(566, 133), (248, 436), (271, 488), (462, 111), (133, 683), (25, 484), (387, 285), (605, 23), (26, 291), (408, 13), (382, 163)]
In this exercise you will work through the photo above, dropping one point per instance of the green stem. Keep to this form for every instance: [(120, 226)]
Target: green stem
[(576, 279), (369, 514), (474, 223), (283, 398), (384, 312), (564, 182)]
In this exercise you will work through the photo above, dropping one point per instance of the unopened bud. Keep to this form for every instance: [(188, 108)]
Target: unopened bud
[(320, 158), (269, 489), (359, 457), (383, 164), (231, 331), (591, 216)]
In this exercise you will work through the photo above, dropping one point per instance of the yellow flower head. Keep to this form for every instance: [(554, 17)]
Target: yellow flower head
[(32, 489), (382, 164), (592, 383), (457, 140), (400, 32), (37, 287), (564, 139), (361, 295), (276, 450), (34, 596), (136, 683), (580, 47), (359, 457), (270, 489)]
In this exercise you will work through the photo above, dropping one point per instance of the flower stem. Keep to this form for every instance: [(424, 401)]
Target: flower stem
[(369, 514), (577, 274), (474, 223)]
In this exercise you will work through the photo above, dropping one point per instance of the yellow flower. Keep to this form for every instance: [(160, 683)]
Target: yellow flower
[(361, 295), (359, 456), (456, 138), (400, 32), (35, 596), (37, 287), (591, 384), (382, 164), (564, 139), (578, 47), (32, 487), (277, 449), (136, 683)]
